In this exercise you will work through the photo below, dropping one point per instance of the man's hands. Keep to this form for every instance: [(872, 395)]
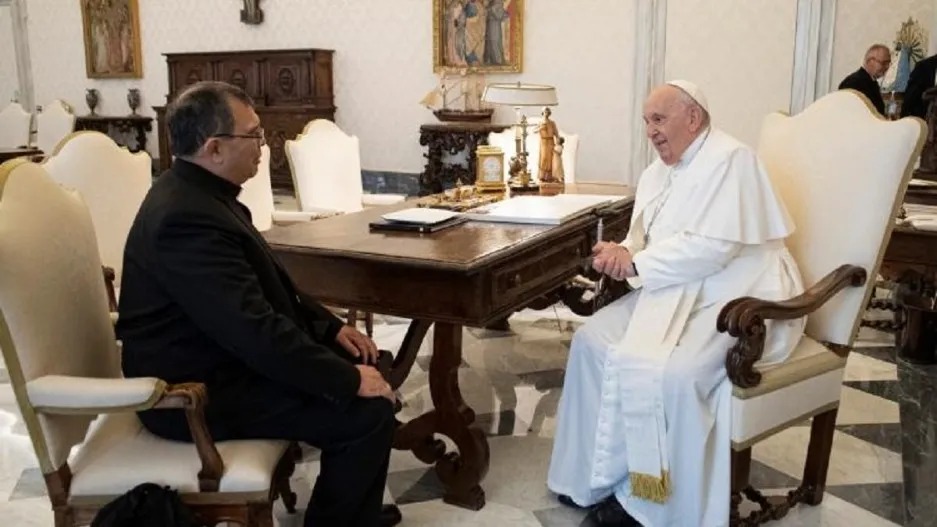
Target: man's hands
[(612, 259), (373, 384), (358, 344)]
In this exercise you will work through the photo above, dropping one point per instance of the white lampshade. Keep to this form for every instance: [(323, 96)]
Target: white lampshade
[(520, 94)]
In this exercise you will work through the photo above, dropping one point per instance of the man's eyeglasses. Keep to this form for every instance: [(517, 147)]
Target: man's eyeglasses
[(885, 63), (259, 135)]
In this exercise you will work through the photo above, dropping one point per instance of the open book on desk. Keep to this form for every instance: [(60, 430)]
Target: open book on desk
[(543, 210)]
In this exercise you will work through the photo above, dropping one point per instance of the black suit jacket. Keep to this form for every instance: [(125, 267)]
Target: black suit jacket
[(920, 80), (203, 299), (861, 81)]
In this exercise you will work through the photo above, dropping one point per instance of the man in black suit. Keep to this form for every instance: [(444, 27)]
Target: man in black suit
[(865, 79), (920, 80), (203, 299)]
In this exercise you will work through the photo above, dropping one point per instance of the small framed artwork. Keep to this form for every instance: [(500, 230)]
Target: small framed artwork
[(112, 38), (489, 168), (478, 35)]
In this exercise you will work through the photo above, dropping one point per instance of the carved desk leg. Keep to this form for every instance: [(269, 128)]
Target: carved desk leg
[(460, 472)]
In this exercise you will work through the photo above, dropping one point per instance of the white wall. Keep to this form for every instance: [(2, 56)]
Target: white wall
[(383, 64), (861, 23), (740, 53), (8, 77)]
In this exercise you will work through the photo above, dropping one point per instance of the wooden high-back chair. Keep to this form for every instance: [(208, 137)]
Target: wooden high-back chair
[(842, 172), (58, 344)]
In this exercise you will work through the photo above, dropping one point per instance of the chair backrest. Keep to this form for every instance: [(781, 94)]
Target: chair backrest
[(112, 181), (14, 126), (53, 123), (506, 141), (53, 306), (842, 172), (257, 193), (326, 167)]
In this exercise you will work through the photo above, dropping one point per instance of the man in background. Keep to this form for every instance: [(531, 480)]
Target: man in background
[(921, 79), (865, 79)]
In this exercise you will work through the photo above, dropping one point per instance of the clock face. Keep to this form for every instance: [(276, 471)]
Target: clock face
[(491, 169)]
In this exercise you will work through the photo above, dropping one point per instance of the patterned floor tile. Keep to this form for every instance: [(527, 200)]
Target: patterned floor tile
[(883, 353), (30, 485), (882, 499), (884, 389), (885, 435), (561, 516)]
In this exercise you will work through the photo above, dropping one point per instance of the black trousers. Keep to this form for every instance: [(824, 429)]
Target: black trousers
[(355, 442)]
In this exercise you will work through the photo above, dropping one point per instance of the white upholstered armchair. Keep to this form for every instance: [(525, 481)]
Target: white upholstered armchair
[(15, 125), (111, 180), (814, 158), (53, 124), (326, 167), (59, 347)]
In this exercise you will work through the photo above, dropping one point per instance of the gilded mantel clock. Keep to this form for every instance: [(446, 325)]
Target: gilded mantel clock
[(489, 165)]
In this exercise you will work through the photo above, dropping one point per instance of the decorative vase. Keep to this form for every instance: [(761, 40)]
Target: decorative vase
[(91, 97), (133, 99)]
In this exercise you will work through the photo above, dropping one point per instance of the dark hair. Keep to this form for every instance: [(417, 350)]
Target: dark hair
[(199, 112)]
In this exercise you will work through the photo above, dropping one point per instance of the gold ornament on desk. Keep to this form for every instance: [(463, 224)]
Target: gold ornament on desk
[(489, 169)]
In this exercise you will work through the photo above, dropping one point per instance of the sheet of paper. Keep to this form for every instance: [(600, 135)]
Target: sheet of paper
[(545, 210)]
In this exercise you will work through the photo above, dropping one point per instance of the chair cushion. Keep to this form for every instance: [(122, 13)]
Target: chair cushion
[(120, 453), (807, 383)]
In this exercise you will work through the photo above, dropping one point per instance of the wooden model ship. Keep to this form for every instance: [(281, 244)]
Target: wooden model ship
[(457, 97)]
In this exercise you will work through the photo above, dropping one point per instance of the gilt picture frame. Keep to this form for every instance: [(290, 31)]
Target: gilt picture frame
[(112, 38), (484, 36)]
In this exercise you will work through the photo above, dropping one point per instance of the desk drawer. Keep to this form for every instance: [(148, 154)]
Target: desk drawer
[(536, 268)]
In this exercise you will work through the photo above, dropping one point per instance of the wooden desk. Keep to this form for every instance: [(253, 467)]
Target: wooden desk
[(11, 153), (910, 249), (470, 275)]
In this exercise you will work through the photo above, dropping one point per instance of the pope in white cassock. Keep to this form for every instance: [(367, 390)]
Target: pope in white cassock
[(643, 427)]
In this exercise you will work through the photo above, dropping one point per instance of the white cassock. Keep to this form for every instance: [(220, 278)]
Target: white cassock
[(645, 407)]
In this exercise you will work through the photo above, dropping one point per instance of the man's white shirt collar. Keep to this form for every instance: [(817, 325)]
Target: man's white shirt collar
[(692, 150)]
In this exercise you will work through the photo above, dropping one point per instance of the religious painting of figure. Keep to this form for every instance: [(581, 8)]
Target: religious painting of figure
[(478, 35), (112, 38)]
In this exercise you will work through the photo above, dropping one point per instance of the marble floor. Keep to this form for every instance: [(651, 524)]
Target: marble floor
[(513, 380)]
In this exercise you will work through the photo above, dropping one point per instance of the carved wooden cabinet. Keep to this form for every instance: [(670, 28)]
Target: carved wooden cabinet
[(451, 138), (290, 87)]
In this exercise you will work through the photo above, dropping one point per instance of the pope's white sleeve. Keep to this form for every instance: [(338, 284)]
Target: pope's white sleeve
[(683, 258)]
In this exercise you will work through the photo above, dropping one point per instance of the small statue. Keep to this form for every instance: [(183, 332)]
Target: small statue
[(558, 174), (548, 133)]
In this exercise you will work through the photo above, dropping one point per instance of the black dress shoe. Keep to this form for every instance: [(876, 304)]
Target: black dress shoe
[(566, 500), (390, 516), (610, 513)]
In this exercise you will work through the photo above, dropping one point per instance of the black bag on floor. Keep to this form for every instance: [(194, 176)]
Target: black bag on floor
[(146, 505)]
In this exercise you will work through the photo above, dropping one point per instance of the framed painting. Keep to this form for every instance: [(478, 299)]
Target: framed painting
[(478, 35), (112, 38)]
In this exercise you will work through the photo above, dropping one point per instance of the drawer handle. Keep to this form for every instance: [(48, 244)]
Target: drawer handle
[(515, 280)]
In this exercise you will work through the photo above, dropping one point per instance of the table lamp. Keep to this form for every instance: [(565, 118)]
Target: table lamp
[(518, 95)]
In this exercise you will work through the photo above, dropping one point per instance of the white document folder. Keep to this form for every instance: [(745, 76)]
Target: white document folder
[(544, 210)]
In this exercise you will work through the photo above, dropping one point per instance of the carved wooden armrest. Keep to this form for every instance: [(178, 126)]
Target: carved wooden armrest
[(192, 398), (744, 318), (109, 278)]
